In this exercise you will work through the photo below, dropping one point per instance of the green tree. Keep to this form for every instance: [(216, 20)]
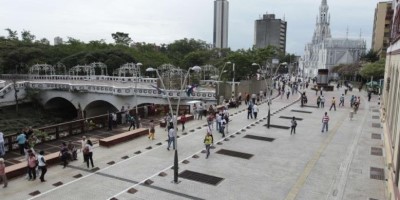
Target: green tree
[(12, 35), (375, 69), (27, 36), (371, 56), (121, 38)]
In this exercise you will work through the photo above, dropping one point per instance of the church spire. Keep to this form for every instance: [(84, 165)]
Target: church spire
[(322, 29)]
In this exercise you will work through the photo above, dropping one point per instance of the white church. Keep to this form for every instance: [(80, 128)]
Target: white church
[(325, 52)]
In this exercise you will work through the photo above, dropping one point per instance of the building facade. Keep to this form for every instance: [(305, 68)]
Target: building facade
[(390, 108), (221, 15), (382, 27), (58, 40), (270, 31), (325, 52)]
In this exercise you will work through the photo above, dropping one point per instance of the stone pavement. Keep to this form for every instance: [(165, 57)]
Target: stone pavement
[(275, 165)]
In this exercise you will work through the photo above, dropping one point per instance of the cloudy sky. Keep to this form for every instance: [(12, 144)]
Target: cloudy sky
[(163, 21)]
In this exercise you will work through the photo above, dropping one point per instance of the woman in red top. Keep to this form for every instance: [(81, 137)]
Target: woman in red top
[(183, 120)]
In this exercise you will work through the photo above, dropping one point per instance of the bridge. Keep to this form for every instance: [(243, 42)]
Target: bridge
[(95, 94)]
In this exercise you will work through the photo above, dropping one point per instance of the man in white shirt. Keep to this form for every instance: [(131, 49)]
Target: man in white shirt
[(171, 137), (222, 129), (255, 111), (218, 121)]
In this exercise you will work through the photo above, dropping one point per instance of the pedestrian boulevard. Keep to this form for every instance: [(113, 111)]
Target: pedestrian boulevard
[(263, 163)]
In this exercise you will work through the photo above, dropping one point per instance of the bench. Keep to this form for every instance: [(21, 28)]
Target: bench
[(123, 137), (20, 169), (188, 118)]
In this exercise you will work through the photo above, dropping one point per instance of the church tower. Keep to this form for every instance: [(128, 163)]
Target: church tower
[(322, 30)]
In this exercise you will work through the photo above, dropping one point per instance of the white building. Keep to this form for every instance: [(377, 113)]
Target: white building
[(325, 52), (221, 14), (58, 40)]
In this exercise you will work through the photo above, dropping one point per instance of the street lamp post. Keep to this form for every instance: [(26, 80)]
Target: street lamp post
[(174, 118), (219, 79), (136, 82)]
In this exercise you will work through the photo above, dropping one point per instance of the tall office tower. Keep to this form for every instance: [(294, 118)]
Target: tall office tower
[(221, 14), (58, 40), (382, 27), (270, 31)]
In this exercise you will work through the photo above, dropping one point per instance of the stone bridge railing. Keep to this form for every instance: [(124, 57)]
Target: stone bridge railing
[(77, 78)]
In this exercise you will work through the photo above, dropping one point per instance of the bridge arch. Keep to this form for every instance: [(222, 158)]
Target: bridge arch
[(61, 107), (99, 107)]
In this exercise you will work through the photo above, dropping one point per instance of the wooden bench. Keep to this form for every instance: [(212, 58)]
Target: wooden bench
[(20, 169), (123, 137), (188, 118)]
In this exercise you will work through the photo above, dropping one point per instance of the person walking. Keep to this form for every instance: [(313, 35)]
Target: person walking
[(288, 93), (21, 140), (152, 130), (341, 100), (222, 126), (64, 154), (255, 111), (88, 151), (3, 176), (318, 101), (208, 141), (322, 102), (325, 121), (32, 163), (114, 119), (369, 95), (2, 149), (218, 121), (352, 101), (293, 126), (138, 119), (183, 121), (83, 144), (42, 165), (250, 111), (132, 122), (333, 104), (171, 137), (110, 121)]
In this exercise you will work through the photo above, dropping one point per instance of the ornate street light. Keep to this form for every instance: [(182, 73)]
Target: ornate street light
[(174, 118)]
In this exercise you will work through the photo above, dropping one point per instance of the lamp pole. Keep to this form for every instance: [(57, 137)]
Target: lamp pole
[(174, 118), (136, 81), (219, 79)]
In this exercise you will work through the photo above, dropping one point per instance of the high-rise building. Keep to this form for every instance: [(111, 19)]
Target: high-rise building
[(270, 31), (221, 14), (58, 40), (382, 27)]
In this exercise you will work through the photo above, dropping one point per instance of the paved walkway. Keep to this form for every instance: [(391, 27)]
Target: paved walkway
[(308, 165)]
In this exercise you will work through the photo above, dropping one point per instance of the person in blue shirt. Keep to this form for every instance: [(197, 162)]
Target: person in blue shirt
[(21, 140)]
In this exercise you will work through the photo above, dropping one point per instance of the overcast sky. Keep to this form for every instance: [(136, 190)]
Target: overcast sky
[(163, 21)]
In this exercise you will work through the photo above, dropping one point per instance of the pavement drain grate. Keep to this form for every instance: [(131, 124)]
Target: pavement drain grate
[(184, 133), (301, 111), (132, 191), (124, 157), (162, 174), (199, 177), (248, 127), (199, 127), (376, 125), (285, 117), (58, 184), (243, 130), (375, 117), (376, 151), (185, 162), (212, 147), (238, 133), (116, 198), (257, 122), (149, 147), (192, 130), (277, 126), (219, 143), (372, 199), (195, 156), (376, 136), (160, 143), (111, 163), (138, 152), (235, 154), (268, 139), (78, 176), (232, 136), (148, 182), (375, 110), (253, 125), (34, 193), (95, 169), (226, 139), (203, 151), (377, 173), (310, 106)]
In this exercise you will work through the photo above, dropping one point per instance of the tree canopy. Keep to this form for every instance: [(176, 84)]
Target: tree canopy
[(25, 51)]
